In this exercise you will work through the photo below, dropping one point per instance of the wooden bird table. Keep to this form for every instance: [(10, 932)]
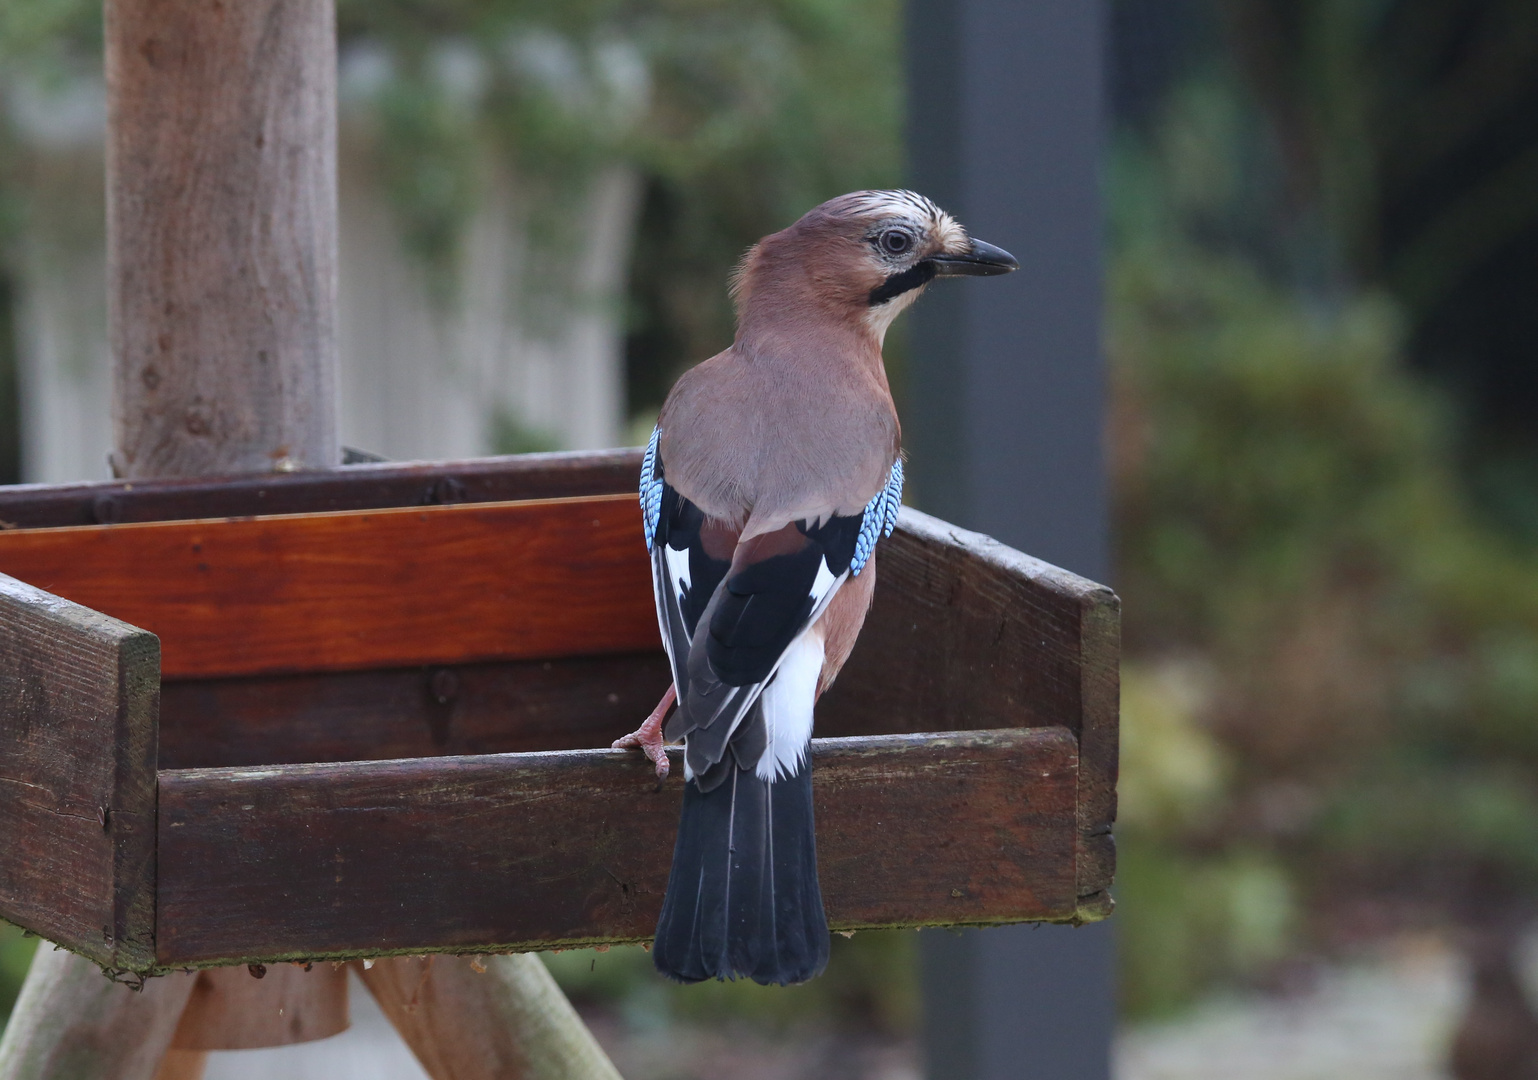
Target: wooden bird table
[(363, 712)]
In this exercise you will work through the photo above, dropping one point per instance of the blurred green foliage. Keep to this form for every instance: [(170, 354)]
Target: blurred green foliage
[(738, 116), (15, 957), (1403, 156), (1332, 684)]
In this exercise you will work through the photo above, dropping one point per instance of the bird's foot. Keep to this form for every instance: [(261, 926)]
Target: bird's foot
[(648, 737)]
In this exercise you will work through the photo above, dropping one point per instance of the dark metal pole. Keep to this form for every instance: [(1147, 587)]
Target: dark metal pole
[(1004, 428)]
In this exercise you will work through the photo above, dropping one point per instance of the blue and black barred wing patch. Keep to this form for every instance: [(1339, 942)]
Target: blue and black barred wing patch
[(879, 518), (651, 489)]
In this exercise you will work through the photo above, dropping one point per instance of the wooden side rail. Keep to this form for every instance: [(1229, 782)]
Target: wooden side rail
[(78, 697), (429, 710), (966, 632), (354, 487), (531, 851), (361, 589)]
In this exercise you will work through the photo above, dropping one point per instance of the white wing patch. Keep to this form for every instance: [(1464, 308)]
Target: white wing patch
[(678, 571), (823, 587), (788, 701), (670, 577)]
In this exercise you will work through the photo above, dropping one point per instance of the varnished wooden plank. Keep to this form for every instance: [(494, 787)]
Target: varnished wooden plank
[(356, 487), (528, 851), (934, 656), (77, 776), (333, 592), (499, 708)]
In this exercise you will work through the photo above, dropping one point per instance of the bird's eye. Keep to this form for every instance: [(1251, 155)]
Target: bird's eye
[(895, 242)]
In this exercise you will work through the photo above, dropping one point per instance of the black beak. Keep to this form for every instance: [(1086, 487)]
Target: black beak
[(984, 260)]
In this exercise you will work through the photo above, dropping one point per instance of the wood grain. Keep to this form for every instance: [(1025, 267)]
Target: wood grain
[(222, 292), (234, 1009), (528, 851), (430, 711), (333, 592), (502, 1017), (222, 235), (965, 632), (78, 697), (69, 1023), (356, 487)]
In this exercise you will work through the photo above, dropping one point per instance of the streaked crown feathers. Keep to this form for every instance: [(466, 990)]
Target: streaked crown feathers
[(899, 203)]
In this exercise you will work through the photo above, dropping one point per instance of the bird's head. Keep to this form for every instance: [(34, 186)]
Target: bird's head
[(864, 256)]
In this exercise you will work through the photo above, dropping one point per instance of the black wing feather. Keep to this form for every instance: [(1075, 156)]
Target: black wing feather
[(680, 605), (751, 620)]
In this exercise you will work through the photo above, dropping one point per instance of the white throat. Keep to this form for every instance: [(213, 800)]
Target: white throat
[(879, 316)]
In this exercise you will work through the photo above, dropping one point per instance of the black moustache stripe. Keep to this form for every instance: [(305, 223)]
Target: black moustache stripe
[(916, 276)]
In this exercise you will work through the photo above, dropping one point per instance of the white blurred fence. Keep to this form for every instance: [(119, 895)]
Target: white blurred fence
[(418, 380)]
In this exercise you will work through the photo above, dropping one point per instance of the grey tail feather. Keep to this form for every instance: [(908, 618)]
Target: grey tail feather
[(743, 899)]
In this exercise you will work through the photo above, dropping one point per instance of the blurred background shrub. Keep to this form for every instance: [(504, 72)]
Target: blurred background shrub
[(1322, 341)]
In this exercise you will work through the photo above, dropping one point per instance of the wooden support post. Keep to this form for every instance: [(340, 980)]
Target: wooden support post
[(508, 1020), (222, 280), (71, 1022), (222, 235), (231, 1010)]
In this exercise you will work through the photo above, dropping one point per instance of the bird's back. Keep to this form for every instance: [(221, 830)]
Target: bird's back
[(787, 432)]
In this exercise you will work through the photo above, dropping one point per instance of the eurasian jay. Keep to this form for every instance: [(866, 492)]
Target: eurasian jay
[(774, 468)]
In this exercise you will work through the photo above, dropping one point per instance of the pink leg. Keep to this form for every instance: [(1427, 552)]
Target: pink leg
[(648, 737)]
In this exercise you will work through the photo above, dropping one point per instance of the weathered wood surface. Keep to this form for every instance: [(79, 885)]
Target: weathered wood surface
[(507, 1020), (965, 632), (497, 708), (182, 1065), (234, 1009), (222, 235), (69, 1023), (334, 592), (78, 697), (530, 851), (356, 487)]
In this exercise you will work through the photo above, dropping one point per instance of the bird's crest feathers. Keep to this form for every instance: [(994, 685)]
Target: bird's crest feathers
[(899, 203)]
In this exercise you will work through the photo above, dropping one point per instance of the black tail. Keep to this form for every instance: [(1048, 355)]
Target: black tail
[(742, 898)]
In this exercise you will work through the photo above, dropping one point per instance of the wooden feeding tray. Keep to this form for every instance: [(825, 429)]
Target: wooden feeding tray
[(371, 722)]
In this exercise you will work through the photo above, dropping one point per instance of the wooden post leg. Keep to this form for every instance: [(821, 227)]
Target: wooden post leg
[(508, 1022), (71, 1021), (231, 1010), (182, 1065)]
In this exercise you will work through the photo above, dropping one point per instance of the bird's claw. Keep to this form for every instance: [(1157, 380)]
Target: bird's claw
[(648, 737), (652, 746)]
